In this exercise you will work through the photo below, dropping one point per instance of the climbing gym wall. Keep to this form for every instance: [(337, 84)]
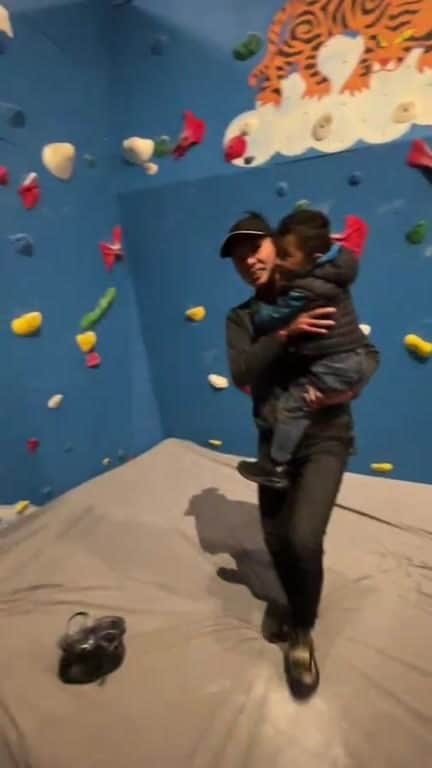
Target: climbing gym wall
[(198, 59), (67, 412)]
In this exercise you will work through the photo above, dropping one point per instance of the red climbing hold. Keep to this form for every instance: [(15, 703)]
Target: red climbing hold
[(29, 191), (4, 176), (354, 235), (112, 252), (193, 132), (93, 360), (33, 444), (235, 148), (420, 154)]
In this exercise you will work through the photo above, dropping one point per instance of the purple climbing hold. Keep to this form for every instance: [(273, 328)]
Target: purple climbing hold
[(282, 189), (355, 179)]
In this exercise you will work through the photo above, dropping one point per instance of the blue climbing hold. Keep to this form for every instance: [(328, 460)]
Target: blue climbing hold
[(121, 455), (68, 448), (282, 189), (13, 115), (23, 243), (355, 179), (158, 45)]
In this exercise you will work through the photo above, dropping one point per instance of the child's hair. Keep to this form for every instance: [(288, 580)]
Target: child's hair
[(311, 230)]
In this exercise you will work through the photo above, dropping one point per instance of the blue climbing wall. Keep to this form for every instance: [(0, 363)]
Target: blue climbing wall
[(174, 223), (175, 265), (57, 69), (84, 72)]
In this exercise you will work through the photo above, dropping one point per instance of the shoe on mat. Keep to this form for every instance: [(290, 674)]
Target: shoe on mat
[(301, 666), (272, 475)]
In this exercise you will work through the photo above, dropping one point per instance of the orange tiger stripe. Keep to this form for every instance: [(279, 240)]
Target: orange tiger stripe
[(301, 27)]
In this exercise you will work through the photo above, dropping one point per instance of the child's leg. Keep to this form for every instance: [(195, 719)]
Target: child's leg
[(335, 373), (293, 418)]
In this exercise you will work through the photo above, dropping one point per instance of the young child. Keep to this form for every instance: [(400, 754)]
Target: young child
[(311, 272)]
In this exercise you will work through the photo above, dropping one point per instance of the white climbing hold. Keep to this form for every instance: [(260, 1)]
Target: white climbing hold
[(55, 401), (366, 329), (107, 462), (151, 168), (405, 112), (138, 151), (5, 22), (218, 382), (59, 159), (248, 126)]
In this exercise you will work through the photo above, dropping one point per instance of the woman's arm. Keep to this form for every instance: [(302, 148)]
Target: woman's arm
[(316, 400), (249, 358)]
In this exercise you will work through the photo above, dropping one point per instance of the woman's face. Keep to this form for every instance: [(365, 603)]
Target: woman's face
[(255, 264)]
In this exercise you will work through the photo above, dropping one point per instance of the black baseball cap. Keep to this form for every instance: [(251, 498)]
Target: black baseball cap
[(251, 224)]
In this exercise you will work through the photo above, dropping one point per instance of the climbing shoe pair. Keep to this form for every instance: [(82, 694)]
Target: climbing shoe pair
[(93, 650)]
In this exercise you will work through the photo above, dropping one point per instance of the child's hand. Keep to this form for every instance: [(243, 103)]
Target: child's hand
[(316, 399)]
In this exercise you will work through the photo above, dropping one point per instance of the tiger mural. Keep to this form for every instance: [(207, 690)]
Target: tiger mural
[(390, 30)]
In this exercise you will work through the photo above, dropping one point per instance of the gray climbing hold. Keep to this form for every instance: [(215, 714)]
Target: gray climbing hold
[(282, 189), (89, 160), (12, 114), (355, 179), (23, 243)]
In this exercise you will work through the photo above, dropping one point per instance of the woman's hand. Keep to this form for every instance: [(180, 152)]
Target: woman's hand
[(316, 321), (316, 399)]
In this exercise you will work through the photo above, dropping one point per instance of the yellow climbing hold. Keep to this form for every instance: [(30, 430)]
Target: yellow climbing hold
[(5, 22), (21, 507), (215, 443), (418, 345), (26, 325), (59, 159), (196, 314), (86, 341), (382, 467)]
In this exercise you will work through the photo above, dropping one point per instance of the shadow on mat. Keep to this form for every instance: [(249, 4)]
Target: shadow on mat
[(234, 527)]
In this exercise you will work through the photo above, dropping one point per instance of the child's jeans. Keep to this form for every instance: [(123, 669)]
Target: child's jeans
[(335, 373)]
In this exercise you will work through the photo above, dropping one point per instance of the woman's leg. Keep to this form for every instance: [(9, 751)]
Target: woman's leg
[(297, 551), (303, 524)]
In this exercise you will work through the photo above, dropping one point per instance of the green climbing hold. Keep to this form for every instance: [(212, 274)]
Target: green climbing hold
[(248, 48), (90, 161), (301, 205), (163, 146), (103, 305), (418, 233)]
